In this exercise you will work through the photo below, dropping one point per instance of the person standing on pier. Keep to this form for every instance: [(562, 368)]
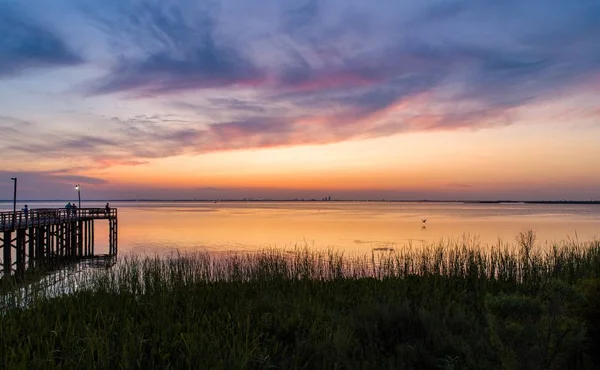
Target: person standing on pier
[(25, 210), (68, 208), (107, 209)]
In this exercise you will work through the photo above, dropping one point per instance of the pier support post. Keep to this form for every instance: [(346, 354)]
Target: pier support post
[(73, 234), (79, 227), (93, 237), (7, 249), (31, 240), (40, 237), (112, 226), (21, 245)]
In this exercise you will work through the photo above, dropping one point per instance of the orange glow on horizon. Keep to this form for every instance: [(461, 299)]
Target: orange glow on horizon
[(429, 161)]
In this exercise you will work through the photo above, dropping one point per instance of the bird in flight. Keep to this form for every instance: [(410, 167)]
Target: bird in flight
[(424, 220)]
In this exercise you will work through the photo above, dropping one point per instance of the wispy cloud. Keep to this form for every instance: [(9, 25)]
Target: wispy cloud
[(265, 73), (30, 182), (177, 52), (186, 47), (74, 178)]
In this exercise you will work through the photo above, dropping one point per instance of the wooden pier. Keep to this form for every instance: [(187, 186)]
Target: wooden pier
[(50, 236)]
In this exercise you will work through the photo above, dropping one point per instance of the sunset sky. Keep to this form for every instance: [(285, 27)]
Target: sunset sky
[(413, 99)]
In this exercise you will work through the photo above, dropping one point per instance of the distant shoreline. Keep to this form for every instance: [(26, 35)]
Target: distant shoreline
[(317, 201)]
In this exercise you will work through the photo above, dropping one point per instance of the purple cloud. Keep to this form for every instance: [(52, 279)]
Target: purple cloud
[(26, 44), (400, 51)]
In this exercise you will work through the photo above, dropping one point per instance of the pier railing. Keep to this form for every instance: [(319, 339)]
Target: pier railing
[(48, 216)]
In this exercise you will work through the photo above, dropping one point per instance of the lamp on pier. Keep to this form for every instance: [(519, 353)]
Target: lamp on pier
[(78, 188)]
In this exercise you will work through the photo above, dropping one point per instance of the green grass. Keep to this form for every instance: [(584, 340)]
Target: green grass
[(441, 307)]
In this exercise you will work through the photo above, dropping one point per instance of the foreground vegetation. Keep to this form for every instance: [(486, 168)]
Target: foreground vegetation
[(444, 306)]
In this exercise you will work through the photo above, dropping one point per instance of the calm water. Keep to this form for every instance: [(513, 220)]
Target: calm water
[(352, 227)]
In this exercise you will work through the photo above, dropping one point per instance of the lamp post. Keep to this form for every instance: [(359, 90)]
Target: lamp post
[(78, 188), (14, 202)]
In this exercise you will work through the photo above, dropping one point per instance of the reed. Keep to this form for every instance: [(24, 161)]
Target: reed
[(447, 305)]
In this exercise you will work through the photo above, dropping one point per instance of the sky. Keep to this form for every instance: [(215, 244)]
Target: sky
[(386, 99)]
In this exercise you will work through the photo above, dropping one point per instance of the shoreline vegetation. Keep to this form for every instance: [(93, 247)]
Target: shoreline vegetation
[(452, 306)]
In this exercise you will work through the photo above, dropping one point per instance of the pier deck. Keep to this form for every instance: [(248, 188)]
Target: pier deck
[(47, 236)]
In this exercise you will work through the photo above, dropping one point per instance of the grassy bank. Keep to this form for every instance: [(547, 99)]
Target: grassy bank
[(439, 307)]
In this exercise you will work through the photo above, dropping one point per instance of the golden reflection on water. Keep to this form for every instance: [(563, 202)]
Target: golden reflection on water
[(350, 227)]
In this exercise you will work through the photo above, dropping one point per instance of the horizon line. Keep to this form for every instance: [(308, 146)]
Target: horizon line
[(383, 200)]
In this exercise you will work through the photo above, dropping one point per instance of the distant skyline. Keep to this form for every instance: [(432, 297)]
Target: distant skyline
[(439, 99)]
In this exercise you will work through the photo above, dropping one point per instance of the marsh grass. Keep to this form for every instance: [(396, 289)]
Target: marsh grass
[(450, 305)]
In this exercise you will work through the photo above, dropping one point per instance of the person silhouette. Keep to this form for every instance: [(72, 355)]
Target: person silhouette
[(25, 210), (107, 209)]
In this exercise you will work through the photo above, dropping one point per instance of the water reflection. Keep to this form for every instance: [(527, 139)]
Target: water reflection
[(251, 226), (63, 278), (350, 227)]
